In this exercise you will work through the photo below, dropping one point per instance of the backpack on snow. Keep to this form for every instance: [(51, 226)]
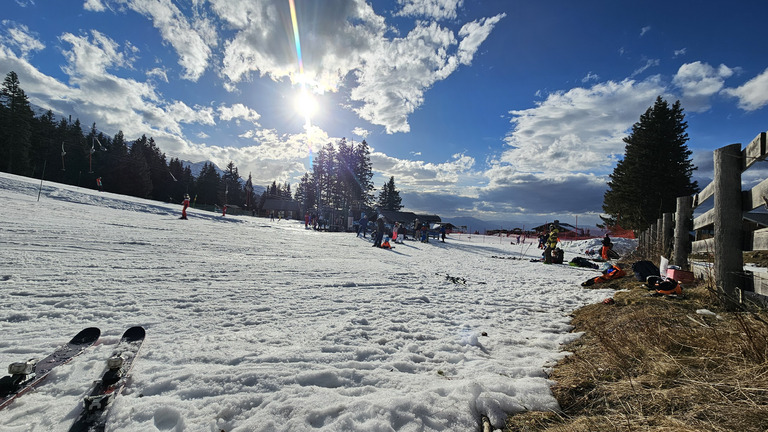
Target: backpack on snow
[(557, 256)]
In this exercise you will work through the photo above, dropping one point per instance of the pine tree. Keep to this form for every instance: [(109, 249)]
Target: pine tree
[(389, 197), (230, 191), (208, 185), (364, 175), (16, 119), (655, 170), (139, 180)]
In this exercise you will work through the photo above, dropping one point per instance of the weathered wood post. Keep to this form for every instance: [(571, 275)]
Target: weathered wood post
[(658, 245), (682, 226), (729, 262), (667, 229)]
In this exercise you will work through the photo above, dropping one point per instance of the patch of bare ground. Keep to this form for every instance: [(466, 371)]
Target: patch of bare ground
[(660, 364)]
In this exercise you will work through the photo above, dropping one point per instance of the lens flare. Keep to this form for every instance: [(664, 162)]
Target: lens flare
[(306, 105)]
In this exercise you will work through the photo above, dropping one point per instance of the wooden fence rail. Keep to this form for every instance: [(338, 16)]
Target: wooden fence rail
[(723, 232)]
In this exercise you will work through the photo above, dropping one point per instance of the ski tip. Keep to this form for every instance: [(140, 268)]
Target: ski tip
[(86, 336), (134, 333)]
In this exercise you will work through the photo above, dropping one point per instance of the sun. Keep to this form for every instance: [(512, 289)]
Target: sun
[(305, 104)]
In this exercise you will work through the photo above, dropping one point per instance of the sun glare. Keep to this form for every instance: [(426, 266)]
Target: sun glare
[(305, 104)]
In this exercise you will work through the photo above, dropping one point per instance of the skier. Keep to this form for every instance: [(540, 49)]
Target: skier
[(98, 183), (379, 231), (363, 226), (551, 243), (442, 233), (306, 220), (224, 210), (184, 209)]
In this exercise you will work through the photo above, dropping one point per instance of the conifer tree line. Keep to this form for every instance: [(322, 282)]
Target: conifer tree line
[(340, 180), (30, 144)]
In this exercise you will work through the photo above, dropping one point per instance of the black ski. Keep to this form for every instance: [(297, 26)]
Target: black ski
[(93, 416), (24, 376)]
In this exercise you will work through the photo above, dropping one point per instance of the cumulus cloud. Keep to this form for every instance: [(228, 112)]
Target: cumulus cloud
[(579, 130), (348, 39), (361, 132), (396, 75), (435, 9), (753, 94), (698, 82), (334, 35), (424, 175), (239, 111)]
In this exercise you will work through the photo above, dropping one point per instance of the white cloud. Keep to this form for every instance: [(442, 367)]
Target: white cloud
[(341, 32), (20, 38), (239, 111), (579, 130), (192, 47), (753, 94), (423, 175), (699, 81), (473, 34), (648, 64), (361, 132), (159, 73), (680, 52), (347, 38), (94, 6), (590, 77), (92, 59), (644, 30), (179, 112), (434, 9), (395, 76)]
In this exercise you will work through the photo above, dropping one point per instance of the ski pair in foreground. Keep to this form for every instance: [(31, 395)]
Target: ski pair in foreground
[(25, 376)]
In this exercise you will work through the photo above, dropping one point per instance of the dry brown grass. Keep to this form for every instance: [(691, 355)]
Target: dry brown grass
[(655, 364)]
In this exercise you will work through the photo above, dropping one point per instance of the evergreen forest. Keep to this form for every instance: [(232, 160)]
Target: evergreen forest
[(61, 150)]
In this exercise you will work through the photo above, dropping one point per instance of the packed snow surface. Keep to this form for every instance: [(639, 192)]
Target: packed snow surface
[(259, 325)]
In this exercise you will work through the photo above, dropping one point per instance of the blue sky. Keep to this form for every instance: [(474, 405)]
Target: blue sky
[(502, 110)]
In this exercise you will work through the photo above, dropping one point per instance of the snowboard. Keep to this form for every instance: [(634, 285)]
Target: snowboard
[(93, 414), (24, 376)]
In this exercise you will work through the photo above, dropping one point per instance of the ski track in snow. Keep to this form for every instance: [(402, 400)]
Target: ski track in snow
[(255, 325)]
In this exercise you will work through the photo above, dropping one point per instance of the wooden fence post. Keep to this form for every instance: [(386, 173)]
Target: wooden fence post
[(729, 261), (658, 245), (682, 228), (667, 229)]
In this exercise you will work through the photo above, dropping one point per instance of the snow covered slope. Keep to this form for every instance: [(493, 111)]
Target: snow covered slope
[(255, 325)]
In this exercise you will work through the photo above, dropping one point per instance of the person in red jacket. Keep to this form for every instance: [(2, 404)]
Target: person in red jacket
[(184, 209)]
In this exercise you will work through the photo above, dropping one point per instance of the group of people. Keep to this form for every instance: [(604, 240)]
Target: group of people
[(382, 235)]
